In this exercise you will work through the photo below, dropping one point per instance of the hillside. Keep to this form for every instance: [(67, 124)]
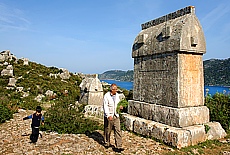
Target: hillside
[(216, 72), (117, 75), (26, 85)]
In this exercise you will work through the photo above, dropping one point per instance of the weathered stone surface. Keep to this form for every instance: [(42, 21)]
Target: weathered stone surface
[(19, 89), (155, 79), (7, 56), (177, 137), (183, 33), (169, 80), (197, 133), (91, 91), (94, 110), (129, 121), (172, 80), (25, 61), (177, 117), (65, 74), (140, 126), (52, 95), (226, 153), (25, 94), (215, 131), (168, 62), (39, 97), (8, 71), (12, 82), (191, 81)]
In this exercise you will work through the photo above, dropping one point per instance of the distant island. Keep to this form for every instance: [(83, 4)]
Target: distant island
[(118, 75), (216, 73)]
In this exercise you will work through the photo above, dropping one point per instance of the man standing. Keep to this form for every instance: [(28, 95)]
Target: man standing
[(111, 117)]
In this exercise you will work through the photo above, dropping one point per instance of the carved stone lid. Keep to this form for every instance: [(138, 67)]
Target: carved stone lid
[(179, 31)]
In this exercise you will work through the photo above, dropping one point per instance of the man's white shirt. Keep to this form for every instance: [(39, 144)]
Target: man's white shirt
[(109, 105)]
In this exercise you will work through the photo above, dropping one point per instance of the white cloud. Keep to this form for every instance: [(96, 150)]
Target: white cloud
[(12, 18), (215, 15)]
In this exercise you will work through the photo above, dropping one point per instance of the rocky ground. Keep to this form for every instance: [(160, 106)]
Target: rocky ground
[(14, 140)]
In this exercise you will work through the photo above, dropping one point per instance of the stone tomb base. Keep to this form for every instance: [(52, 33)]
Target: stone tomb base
[(177, 137), (176, 117)]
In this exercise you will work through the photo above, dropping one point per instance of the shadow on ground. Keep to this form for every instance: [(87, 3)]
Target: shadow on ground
[(98, 137)]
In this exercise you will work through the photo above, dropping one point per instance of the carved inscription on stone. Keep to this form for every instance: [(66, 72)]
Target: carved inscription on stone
[(156, 80)]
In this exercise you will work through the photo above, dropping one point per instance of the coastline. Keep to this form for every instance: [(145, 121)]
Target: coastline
[(210, 89)]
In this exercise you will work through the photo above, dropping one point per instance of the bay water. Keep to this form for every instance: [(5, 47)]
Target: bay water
[(207, 89)]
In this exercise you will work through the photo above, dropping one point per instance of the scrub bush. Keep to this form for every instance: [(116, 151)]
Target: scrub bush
[(219, 108), (5, 113), (64, 117)]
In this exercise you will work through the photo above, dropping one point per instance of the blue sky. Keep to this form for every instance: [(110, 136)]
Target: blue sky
[(93, 36)]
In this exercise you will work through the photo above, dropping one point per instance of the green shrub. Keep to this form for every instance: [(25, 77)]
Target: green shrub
[(219, 107), (124, 103), (28, 103), (64, 117), (207, 128), (5, 113), (128, 94)]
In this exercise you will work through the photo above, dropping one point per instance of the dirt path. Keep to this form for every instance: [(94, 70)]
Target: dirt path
[(14, 140)]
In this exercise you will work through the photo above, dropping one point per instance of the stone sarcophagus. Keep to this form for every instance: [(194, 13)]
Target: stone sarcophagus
[(91, 90), (168, 65), (168, 80)]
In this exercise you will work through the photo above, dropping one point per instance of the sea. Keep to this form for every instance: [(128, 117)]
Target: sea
[(210, 90)]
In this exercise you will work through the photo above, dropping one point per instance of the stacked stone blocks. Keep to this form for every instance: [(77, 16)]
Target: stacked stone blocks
[(174, 136), (168, 94)]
